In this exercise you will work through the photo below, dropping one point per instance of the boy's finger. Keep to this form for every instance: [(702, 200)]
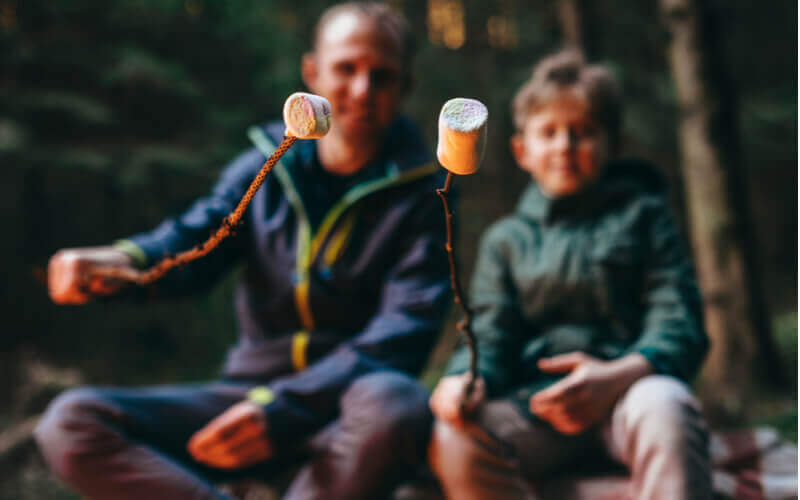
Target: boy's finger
[(555, 392), (562, 363)]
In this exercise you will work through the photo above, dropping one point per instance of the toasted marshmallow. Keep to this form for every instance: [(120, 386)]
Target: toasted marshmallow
[(462, 135), (307, 116)]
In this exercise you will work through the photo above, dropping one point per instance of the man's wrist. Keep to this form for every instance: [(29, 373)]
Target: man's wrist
[(135, 254)]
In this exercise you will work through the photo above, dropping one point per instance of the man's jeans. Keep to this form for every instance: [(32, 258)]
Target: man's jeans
[(655, 430), (115, 443)]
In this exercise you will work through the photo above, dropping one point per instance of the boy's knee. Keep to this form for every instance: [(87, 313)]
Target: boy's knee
[(662, 411), (68, 430), (661, 397), (452, 454)]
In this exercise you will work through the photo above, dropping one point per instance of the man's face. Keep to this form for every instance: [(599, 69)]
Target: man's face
[(561, 146), (360, 71)]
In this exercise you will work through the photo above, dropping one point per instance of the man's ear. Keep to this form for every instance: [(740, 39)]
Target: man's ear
[(517, 147), (309, 70)]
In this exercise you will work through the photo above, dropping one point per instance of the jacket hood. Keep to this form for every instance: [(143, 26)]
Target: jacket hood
[(620, 180)]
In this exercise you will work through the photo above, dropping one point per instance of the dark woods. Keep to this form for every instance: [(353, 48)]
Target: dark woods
[(116, 114)]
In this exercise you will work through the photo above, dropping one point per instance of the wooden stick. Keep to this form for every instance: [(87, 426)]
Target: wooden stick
[(465, 324), (230, 222)]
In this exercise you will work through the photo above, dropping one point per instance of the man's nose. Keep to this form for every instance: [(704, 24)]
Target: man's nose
[(361, 85)]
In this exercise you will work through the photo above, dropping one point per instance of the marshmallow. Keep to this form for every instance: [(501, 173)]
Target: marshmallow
[(307, 116), (462, 135)]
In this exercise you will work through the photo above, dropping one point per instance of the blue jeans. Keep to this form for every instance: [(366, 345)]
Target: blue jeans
[(120, 443)]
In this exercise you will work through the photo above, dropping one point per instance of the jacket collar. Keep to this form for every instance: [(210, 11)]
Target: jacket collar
[(403, 149), (620, 180)]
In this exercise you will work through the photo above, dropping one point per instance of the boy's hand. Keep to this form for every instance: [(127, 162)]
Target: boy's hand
[(447, 401), (69, 273), (588, 393), (236, 438)]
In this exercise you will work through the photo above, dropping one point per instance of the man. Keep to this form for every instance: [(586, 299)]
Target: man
[(344, 290)]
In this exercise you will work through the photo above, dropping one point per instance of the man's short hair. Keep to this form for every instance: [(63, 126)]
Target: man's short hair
[(388, 19)]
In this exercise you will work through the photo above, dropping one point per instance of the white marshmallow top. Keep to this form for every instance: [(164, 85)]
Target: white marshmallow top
[(462, 135), (307, 116)]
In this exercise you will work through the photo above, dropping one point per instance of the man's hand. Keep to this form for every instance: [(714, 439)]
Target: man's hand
[(236, 438), (588, 393), (447, 401), (69, 273)]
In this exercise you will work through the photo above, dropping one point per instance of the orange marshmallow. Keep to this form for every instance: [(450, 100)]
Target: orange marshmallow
[(462, 135)]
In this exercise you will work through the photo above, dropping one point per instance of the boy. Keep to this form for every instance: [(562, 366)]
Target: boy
[(586, 310)]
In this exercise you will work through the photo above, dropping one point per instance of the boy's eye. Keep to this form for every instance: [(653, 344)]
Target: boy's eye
[(586, 131), (547, 131)]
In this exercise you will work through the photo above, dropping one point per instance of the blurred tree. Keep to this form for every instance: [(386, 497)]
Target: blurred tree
[(735, 315)]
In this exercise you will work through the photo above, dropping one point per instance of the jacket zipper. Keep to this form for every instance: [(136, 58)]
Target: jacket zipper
[(309, 244)]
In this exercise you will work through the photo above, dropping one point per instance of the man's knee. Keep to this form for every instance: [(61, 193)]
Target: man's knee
[(390, 408), (70, 429), (390, 395)]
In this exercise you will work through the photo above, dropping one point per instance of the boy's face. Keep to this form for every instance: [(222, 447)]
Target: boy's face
[(360, 71), (561, 146)]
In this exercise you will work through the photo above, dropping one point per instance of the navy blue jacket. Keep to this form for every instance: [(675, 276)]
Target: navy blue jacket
[(365, 290)]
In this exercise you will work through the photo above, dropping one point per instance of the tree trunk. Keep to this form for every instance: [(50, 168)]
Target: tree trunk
[(735, 317), (579, 28)]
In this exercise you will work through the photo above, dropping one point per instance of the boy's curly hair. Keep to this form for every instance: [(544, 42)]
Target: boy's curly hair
[(566, 71)]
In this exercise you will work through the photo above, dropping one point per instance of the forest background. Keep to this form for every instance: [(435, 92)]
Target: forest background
[(114, 115)]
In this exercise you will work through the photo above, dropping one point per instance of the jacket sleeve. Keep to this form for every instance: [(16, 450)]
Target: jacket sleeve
[(673, 337), (413, 303), (497, 320), (193, 227)]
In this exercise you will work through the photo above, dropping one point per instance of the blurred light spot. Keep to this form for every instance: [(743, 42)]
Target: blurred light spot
[(8, 14), (502, 32), (193, 7), (446, 23)]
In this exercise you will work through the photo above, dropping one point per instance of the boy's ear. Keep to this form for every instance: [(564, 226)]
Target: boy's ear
[(309, 70), (517, 147)]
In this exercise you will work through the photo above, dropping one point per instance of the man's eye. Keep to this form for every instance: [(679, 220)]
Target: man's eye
[(383, 77), (345, 69)]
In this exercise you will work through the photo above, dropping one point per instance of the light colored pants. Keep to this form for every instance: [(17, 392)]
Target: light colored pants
[(656, 430)]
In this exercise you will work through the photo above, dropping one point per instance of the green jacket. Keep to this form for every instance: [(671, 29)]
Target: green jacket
[(603, 271)]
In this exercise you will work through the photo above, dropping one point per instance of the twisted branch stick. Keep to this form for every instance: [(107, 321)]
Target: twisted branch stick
[(465, 324), (148, 276)]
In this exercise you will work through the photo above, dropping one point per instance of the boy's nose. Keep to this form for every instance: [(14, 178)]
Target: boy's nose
[(562, 140), (565, 140)]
